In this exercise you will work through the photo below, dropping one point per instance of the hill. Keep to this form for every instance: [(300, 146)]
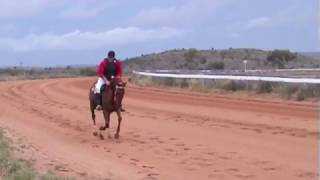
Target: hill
[(230, 59), (315, 55)]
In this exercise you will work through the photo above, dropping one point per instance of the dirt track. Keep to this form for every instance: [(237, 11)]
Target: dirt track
[(165, 135)]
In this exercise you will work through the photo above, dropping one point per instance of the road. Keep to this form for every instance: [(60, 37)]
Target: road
[(169, 135)]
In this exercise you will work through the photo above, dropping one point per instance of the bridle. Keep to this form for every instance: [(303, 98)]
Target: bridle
[(118, 87)]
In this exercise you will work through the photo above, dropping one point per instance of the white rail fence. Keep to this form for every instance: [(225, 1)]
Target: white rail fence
[(229, 77)]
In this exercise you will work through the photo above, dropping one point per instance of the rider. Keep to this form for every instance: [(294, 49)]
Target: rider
[(108, 68)]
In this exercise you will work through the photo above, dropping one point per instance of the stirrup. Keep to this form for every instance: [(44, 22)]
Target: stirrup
[(99, 108)]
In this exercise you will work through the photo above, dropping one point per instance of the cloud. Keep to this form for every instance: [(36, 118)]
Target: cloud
[(235, 35), (78, 40), (191, 13), (258, 22), (8, 28), (318, 27), (289, 16), (21, 8), (68, 8), (85, 8), (237, 29), (81, 12)]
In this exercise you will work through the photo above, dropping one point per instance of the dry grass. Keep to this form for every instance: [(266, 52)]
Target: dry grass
[(45, 73), (12, 169), (298, 92)]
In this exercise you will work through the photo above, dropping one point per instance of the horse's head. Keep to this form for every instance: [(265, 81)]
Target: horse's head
[(120, 85), (119, 90), (117, 82)]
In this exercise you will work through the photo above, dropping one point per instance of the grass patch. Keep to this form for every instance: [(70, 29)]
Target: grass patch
[(51, 176), (13, 169)]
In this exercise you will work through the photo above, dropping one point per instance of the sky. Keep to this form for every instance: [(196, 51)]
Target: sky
[(68, 32)]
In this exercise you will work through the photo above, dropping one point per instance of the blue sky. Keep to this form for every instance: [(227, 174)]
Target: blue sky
[(62, 32)]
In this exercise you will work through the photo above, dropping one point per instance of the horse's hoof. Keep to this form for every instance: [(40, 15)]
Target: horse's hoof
[(95, 133), (116, 136), (102, 128), (101, 137)]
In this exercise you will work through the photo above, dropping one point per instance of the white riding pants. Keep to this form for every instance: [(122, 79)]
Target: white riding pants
[(99, 84)]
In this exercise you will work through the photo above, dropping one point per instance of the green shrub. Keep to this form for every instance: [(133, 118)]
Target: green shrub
[(203, 60), (307, 91), (208, 83), (88, 72), (191, 54), (227, 85), (216, 65), (10, 168), (168, 81), (50, 176), (182, 83), (264, 87), (297, 92), (300, 95), (286, 91), (280, 57), (142, 80), (196, 84)]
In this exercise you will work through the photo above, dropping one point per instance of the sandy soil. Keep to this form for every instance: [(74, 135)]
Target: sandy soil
[(165, 135)]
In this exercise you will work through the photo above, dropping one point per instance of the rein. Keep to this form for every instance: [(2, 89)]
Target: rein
[(115, 92), (119, 87)]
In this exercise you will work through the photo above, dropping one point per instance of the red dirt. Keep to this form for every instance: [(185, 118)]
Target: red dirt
[(165, 135)]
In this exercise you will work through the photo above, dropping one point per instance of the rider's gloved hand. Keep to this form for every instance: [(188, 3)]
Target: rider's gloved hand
[(107, 82)]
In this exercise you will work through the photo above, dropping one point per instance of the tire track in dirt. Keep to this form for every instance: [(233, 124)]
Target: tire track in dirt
[(273, 107), (162, 137), (31, 105)]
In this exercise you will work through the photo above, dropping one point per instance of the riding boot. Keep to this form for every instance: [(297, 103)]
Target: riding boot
[(121, 108), (98, 102)]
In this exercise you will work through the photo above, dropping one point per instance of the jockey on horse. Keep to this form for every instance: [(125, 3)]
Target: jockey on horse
[(109, 68)]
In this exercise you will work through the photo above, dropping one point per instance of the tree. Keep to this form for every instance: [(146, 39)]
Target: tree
[(279, 57), (191, 54), (216, 65), (203, 60)]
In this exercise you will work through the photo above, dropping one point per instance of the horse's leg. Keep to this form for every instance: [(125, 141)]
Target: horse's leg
[(95, 133), (119, 124), (93, 115), (106, 115)]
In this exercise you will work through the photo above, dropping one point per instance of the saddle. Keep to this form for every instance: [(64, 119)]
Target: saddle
[(119, 88)]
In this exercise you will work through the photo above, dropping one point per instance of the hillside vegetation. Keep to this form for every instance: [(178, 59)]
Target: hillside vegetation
[(315, 55), (15, 73), (230, 59)]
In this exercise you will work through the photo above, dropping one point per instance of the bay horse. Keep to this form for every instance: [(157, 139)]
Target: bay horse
[(112, 96)]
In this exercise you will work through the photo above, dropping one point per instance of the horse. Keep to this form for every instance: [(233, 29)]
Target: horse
[(112, 96)]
